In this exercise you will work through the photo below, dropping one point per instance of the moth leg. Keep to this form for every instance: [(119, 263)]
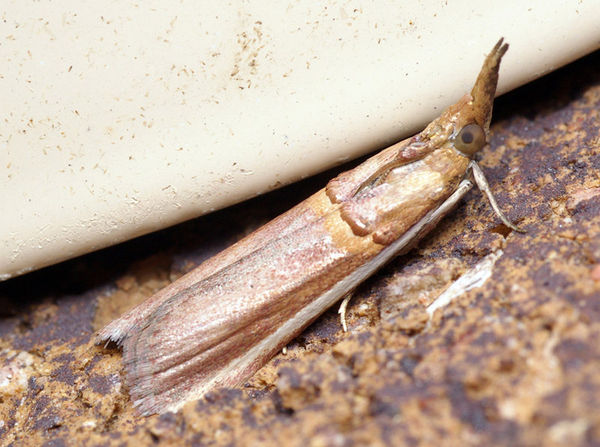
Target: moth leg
[(483, 185), (342, 310)]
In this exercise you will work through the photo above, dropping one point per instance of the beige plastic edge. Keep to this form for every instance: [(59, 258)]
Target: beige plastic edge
[(124, 118)]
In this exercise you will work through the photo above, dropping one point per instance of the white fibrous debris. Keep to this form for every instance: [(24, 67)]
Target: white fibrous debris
[(475, 277), (15, 374)]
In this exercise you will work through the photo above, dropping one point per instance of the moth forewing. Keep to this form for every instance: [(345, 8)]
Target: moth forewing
[(245, 346), (299, 216), (219, 324)]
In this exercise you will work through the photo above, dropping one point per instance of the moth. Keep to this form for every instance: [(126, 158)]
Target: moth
[(220, 323)]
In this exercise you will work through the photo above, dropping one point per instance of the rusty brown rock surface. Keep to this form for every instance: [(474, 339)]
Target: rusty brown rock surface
[(513, 362)]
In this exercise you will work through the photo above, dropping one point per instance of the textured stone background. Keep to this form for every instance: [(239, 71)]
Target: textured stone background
[(515, 362)]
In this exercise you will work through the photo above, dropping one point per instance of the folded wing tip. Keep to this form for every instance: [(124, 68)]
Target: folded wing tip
[(112, 333)]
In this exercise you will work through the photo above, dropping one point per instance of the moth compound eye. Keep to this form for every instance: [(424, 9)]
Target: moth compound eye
[(470, 139)]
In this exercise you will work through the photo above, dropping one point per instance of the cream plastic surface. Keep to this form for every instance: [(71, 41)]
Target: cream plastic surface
[(121, 118)]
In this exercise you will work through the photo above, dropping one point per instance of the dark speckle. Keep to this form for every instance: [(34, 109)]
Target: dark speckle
[(485, 339), (409, 362), (292, 376), (72, 322), (64, 374), (222, 397), (40, 406), (33, 387), (364, 337), (249, 418), (101, 384), (574, 353), (547, 278), (48, 422), (587, 209), (467, 410), (57, 442)]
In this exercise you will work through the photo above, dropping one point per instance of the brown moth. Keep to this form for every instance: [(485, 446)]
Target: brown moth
[(220, 323)]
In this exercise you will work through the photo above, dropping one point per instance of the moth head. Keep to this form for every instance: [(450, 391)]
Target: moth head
[(471, 116), (465, 124)]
